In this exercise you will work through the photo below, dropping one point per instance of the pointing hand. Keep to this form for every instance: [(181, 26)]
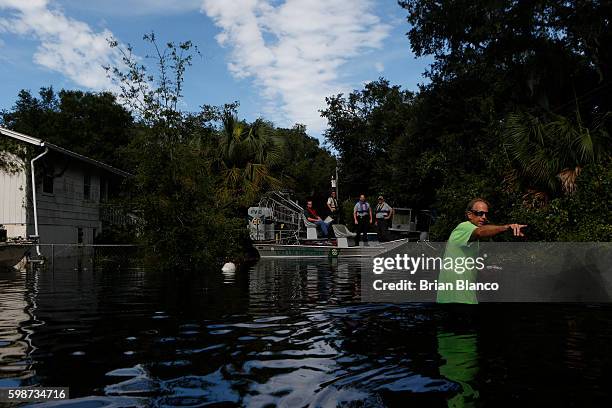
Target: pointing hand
[(516, 229)]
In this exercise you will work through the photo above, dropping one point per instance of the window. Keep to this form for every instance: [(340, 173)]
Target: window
[(103, 189), (47, 184), (86, 187), (79, 235)]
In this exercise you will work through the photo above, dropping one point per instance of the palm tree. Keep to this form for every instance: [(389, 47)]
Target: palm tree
[(244, 159), (547, 157)]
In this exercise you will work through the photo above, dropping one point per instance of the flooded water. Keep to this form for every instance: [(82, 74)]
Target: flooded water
[(288, 334)]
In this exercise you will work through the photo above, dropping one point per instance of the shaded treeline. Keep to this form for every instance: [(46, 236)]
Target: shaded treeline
[(516, 109)]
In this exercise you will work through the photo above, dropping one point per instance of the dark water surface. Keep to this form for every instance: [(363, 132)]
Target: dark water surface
[(289, 334)]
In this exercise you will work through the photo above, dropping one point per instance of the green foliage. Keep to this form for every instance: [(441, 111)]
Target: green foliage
[(92, 124), (14, 156), (154, 98), (243, 158), (347, 207), (304, 166), (541, 151), (362, 128), (174, 194), (582, 216), (453, 197)]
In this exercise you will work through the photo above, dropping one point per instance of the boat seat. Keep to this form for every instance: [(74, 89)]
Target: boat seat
[(311, 228), (342, 232)]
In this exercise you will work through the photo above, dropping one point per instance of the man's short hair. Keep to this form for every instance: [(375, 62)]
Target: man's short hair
[(473, 201)]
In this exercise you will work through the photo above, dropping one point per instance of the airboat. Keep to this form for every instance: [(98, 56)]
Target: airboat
[(279, 229)]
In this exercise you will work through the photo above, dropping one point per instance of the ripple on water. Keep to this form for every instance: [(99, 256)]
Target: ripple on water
[(98, 402), (137, 386), (201, 350), (194, 390), (218, 332), (135, 371)]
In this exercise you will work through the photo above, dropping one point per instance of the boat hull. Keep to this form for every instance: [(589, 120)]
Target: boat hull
[(11, 253), (324, 251)]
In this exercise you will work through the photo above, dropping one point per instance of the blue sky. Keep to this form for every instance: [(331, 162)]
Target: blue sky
[(279, 59)]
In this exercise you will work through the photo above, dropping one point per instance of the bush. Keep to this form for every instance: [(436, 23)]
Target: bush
[(582, 216), (453, 197)]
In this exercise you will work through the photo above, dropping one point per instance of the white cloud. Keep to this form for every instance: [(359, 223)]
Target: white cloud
[(379, 66), (295, 50), (67, 46)]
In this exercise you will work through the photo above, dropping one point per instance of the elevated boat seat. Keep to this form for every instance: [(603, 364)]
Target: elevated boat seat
[(342, 232), (311, 228), (342, 235)]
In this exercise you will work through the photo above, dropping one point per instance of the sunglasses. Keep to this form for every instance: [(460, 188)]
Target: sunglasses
[(479, 213)]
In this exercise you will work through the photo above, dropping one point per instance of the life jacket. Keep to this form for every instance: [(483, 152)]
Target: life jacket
[(363, 208), (379, 209)]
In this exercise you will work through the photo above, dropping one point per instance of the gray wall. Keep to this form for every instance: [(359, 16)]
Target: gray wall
[(61, 213)]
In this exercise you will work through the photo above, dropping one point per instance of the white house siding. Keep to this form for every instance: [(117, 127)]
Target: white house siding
[(13, 189), (63, 212)]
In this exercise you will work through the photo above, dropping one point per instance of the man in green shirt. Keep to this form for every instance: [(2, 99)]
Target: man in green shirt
[(463, 244)]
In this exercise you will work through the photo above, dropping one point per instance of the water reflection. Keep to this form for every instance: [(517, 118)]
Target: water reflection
[(16, 317), (285, 333), (283, 284)]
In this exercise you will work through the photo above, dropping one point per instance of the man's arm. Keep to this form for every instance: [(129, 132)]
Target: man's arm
[(370, 208), (390, 215), (309, 217), (487, 231)]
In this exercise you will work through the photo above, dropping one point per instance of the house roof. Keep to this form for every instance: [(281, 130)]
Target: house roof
[(39, 142)]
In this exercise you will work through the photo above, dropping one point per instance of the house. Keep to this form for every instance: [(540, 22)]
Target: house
[(58, 195)]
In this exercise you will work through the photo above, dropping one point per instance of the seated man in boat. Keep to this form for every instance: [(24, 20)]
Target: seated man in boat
[(312, 216)]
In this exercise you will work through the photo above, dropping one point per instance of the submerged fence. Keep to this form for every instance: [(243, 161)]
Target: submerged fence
[(85, 256)]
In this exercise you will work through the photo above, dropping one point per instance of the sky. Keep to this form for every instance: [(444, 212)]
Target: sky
[(278, 59)]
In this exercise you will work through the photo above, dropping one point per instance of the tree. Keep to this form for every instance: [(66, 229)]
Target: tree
[(540, 53), (244, 159), (305, 167), (89, 123), (174, 189), (549, 155), (362, 128)]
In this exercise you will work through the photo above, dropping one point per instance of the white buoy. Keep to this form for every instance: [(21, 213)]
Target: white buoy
[(229, 267)]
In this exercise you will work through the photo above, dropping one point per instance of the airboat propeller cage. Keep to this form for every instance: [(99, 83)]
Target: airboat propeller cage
[(276, 217)]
